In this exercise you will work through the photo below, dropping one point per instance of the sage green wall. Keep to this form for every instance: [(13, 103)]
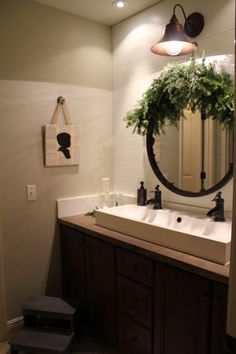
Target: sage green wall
[(3, 314), (46, 53), (41, 43)]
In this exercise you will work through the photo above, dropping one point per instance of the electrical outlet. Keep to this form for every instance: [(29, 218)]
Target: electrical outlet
[(31, 192)]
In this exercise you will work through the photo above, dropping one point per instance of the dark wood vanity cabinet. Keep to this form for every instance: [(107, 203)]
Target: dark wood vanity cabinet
[(73, 263), (135, 302), (190, 313), (100, 286), (88, 273), (218, 318), (182, 312), (145, 306)]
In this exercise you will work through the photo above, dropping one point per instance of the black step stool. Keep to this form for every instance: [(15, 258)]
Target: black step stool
[(41, 342), (49, 312), (49, 326)]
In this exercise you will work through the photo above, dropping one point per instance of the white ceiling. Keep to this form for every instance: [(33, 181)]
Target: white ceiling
[(100, 10)]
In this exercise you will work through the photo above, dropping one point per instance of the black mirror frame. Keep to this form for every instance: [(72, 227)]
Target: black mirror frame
[(151, 156)]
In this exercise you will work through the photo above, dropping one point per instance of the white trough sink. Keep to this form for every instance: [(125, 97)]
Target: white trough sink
[(189, 233)]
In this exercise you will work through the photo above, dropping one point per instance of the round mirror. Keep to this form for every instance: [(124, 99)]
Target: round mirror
[(195, 158)]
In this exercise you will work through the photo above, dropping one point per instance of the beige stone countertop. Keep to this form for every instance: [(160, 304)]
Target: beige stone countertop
[(207, 269)]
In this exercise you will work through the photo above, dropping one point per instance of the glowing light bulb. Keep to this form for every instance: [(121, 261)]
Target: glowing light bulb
[(174, 47), (119, 4)]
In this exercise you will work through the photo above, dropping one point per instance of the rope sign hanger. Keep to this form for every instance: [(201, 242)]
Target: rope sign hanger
[(61, 106)]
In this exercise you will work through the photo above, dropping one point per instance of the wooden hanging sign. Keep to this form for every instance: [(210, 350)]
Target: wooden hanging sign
[(61, 140)]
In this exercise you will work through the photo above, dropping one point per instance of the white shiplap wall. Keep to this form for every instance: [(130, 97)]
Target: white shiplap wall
[(134, 67)]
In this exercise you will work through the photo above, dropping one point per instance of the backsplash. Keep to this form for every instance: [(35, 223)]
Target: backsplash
[(83, 204)]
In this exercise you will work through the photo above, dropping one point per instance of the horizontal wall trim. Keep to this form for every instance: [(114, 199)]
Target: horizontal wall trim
[(15, 323)]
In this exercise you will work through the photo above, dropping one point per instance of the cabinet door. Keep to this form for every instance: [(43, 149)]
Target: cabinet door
[(133, 338), (218, 321), (182, 312), (72, 256), (100, 281)]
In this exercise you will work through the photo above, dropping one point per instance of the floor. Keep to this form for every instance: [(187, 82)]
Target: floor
[(90, 343), (4, 348)]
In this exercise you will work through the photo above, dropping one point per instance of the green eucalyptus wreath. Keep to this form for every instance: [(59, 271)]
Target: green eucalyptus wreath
[(194, 85)]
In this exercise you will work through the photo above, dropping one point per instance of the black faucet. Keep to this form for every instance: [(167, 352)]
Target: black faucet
[(156, 201), (218, 210)]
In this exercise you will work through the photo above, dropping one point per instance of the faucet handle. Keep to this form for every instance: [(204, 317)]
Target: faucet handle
[(156, 189), (217, 196)]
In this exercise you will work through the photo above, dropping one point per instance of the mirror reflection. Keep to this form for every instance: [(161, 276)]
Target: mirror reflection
[(195, 156)]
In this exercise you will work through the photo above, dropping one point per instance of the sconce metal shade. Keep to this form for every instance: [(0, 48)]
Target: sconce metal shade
[(174, 41)]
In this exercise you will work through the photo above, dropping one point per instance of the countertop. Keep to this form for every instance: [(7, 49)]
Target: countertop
[(207, 269)]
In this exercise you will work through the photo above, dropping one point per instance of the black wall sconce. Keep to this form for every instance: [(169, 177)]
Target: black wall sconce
[(174, 41)]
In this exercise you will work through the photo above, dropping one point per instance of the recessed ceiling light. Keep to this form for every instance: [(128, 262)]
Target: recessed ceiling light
[(119, 4)]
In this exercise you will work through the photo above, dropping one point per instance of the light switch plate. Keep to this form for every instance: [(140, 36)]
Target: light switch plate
[(31, 192)]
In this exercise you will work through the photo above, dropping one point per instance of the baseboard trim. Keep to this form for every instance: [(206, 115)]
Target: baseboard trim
[(230, 345), (15, 323)]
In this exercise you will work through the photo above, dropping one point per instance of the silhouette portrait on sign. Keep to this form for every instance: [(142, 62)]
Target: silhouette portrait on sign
[(64, 142)]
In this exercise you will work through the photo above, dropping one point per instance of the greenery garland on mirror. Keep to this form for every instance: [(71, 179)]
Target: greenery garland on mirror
[(194, 85)]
